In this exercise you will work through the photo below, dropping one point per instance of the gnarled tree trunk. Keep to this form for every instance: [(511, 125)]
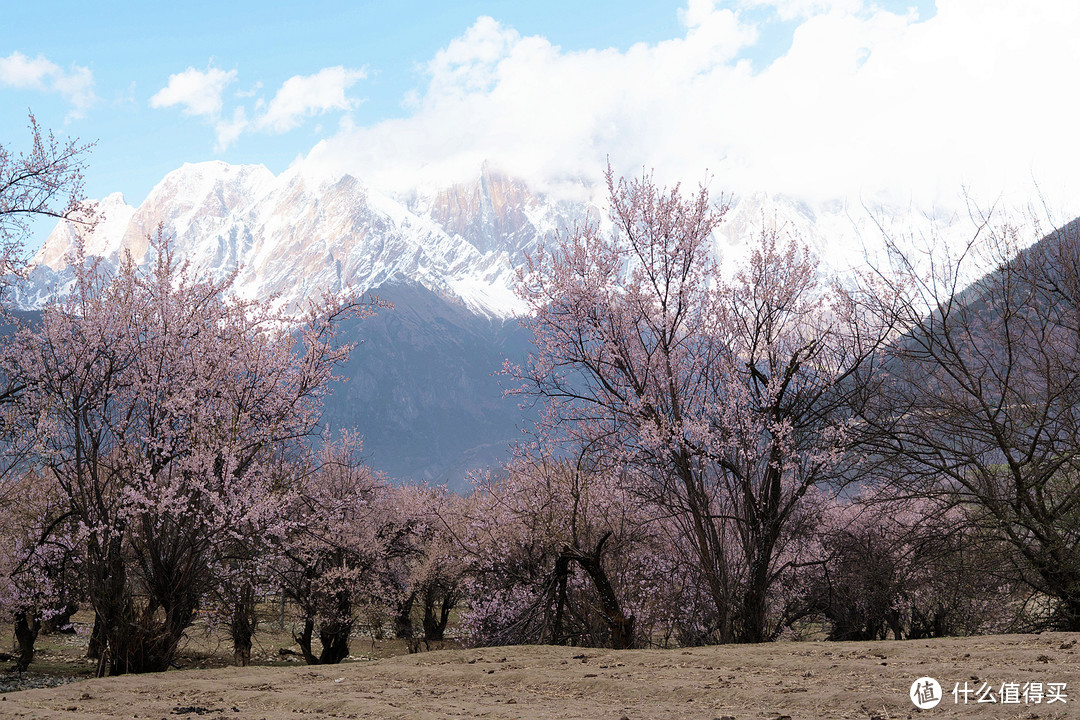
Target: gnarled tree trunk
[(27, 626), (619, 625)]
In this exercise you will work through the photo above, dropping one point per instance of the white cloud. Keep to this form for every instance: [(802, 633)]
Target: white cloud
[(303, 96), (19, 71), (198, 92), (227, 131), (251, 92), (299, 98), (865, 104), (543, 113), (803, 9), (75, 85)]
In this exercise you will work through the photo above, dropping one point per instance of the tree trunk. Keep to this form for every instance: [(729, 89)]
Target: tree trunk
[(27, 627), (242, 626), (562, 570), (753, 616), (96, 647), (334, 634), (619, 625), (304, 640), (335, 642), (754, 611), (403, 624), (763, 530), (139, 641), (707, 539), (435, 622), (1069, 613), (107, 594), (1061, 581)]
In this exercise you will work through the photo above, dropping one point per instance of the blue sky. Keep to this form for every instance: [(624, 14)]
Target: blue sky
[(814, 98)]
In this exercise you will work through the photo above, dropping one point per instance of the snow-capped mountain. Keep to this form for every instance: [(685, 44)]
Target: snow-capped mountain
[(295, 237)]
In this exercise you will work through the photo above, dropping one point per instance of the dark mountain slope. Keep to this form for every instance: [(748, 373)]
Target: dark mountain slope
[(422, 387)]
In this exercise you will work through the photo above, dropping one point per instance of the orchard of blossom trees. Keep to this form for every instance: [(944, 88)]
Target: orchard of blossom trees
[(724, 455), (759, 447)]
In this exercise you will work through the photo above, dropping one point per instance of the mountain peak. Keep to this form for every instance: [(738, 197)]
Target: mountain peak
[(298, 236), (106, 239)]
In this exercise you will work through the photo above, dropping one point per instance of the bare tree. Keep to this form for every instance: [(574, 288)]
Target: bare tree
[(983, 404)]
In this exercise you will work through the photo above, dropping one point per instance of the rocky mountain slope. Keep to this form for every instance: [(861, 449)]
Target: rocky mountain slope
[(423, 387)]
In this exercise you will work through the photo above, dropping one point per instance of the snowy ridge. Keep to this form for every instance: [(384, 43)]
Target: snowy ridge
[(297, 235)]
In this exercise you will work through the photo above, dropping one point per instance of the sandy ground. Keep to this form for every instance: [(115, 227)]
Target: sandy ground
[(799, 680)]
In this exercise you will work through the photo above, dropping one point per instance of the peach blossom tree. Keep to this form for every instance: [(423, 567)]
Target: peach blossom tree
[(161, 406), (45, 182), (726, 400)]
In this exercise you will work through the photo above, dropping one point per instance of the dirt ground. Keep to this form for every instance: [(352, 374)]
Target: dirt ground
[(799, 680)]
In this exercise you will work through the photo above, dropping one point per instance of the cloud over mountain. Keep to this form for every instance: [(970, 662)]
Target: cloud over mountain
[(864, 104), (198, 92)]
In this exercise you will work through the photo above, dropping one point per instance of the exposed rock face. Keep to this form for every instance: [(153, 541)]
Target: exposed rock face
[(491, 213), (295, 235)]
